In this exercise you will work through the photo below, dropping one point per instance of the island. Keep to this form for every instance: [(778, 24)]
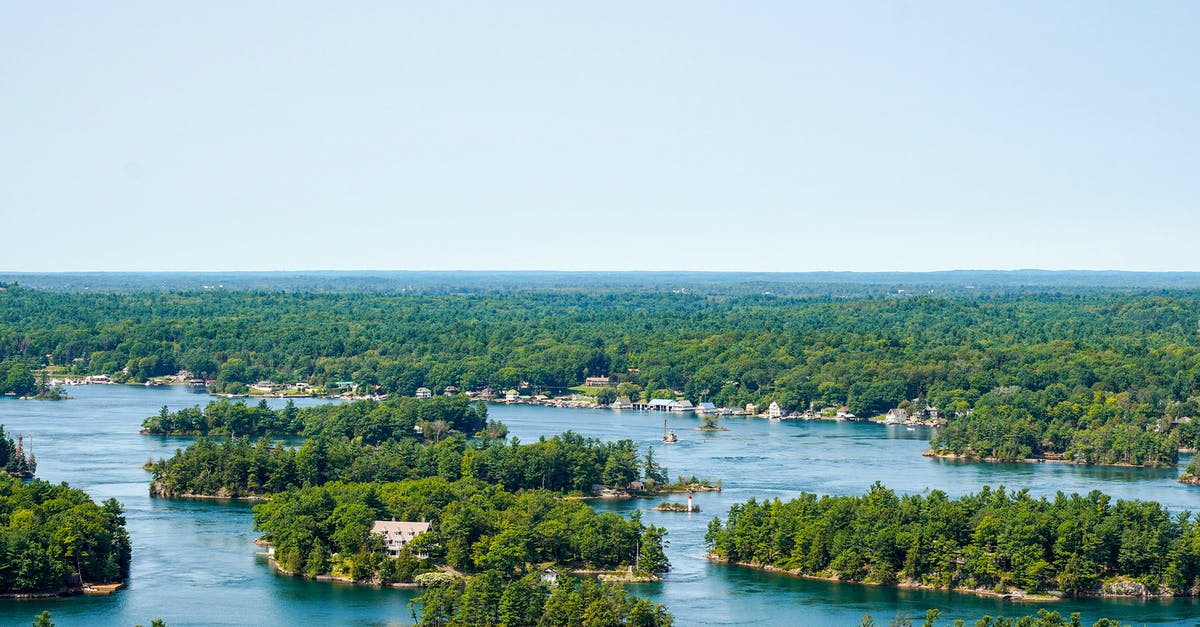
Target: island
[(60, 542), (993, 542)]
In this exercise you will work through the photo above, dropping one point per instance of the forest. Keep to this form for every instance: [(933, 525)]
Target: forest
[(371, 421), (14, 460), (52, 537), (994, 540), (565, 463), (476, 528), (1097, 376)]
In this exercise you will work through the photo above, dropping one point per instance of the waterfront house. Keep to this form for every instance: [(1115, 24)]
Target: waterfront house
[(636, 486), (682, 406), (396, 534), (660, 404), (511, 396), (595, 382), (773, 410), (549, 576), (99, 378), (264, 386), (450, 390), (751, 409), (622, 402), (424, 392), (706, 407), (896, 416)]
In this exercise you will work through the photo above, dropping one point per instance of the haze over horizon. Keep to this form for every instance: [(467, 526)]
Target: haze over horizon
[(699, 136)]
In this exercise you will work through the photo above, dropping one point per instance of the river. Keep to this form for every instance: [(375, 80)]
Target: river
[(194, 562)]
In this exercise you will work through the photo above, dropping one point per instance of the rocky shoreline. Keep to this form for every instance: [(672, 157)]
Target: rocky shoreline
[(1027, 460), (1121, 588)]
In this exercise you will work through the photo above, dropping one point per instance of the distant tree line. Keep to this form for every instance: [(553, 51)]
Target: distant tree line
[(1089, 376)]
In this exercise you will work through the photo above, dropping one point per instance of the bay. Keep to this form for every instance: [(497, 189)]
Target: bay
[(194, 562)]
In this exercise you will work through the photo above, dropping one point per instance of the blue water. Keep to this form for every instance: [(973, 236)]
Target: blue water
[(194, 562)]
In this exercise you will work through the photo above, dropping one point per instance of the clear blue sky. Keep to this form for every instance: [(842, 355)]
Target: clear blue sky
[(773, 136)]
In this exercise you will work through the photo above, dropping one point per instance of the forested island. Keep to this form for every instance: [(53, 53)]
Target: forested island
[(492, 511), (370, 441), (55, 540), (993, 542)]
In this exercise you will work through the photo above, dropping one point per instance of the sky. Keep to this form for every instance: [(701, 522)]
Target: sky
[(692, 135)]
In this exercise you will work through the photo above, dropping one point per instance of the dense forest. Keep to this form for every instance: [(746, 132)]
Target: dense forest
[(564, 463), (476, 527), (371, 421), (490, 601), (1043, 618), (1094, 376), (52, 537), (993, 540)]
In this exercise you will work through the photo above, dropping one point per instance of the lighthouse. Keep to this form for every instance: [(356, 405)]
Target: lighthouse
[(689, 502)]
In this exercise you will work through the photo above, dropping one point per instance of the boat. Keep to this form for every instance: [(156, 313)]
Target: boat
[(668, 435)]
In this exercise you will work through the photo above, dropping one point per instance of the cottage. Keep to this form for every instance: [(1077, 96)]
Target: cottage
[(595, 382), (706, 408), (636, 486), (397, 534), (450, 390), (549, 576), (264, 386), (751, 409), (424, 392), (774, 411), (682, 406), (511, 396), (896, 416), (622, 402)]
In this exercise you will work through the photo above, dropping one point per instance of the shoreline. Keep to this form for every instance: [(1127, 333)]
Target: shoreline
[(1015, 595), (87, 589), (156, 492), (1030, 460)]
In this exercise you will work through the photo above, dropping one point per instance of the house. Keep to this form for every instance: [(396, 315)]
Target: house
[(487, 394), (682, 406), (595, 382), (423, 392), (773, 410), (99, 378), (706, 407), (397, 534), (622, 402), (896, 416), (511, 396), (549, 576), (660, 404), (450, 390), (751, 409), (636, 486), (264, 386)]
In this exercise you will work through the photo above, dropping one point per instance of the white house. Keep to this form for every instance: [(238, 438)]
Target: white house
[(896, 416), (512, 396), (682, 406), (706, 408), (773, 410), (397, 534), (424, 393)]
